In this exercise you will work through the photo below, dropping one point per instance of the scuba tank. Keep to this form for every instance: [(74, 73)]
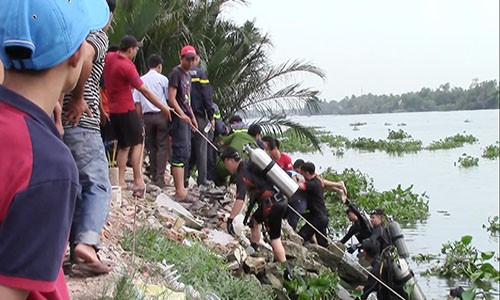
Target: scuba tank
[(398, 239), (273, 172), (403, 276)]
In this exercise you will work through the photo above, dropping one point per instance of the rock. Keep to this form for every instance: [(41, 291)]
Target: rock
[(294, 250), (238, 254), (233, 266), (290, 234), (165, 201), (272, 280), (343, 294), (254, 265)]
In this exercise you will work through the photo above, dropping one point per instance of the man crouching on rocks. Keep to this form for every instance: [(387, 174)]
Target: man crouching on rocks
[(271, 204)]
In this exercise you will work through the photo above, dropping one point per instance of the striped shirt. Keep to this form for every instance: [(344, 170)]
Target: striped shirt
[(99, 40)]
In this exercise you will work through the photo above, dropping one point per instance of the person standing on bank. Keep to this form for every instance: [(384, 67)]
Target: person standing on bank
[(315, 196), (201, 104), (42, 46), (156, 125), (271, 204), (81, 119), (120, 76), (179, 90)]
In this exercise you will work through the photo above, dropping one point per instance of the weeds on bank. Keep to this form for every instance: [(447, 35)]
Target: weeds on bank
[(198, 265), (459, 259), (322, 286), (402, 203), (456, 141), (492, 151), (493, 226), (467, 161)]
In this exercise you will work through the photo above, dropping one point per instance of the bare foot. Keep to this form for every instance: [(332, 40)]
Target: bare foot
[(86, 253)]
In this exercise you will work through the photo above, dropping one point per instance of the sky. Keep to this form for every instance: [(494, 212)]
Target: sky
[(383, 46)]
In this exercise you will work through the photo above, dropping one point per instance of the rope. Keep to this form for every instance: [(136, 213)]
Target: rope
[(362, 268), (197, 131)]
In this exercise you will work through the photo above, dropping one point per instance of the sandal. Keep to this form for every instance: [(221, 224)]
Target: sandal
[(139, 193)]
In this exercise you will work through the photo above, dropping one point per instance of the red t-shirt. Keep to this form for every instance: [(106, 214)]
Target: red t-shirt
[(285, 162), (120, 76)]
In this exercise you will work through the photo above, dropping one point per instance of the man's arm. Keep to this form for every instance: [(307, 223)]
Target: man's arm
[(154, 100), (77, 104), (172, 91)]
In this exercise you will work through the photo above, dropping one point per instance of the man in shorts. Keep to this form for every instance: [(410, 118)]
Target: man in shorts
[(120, 76), (42, 46), (272, 205)]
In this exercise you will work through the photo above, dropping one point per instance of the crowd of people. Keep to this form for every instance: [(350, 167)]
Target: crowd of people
[(67, 93)]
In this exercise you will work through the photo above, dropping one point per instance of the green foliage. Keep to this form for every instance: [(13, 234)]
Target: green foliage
[(198, 265), (390, 146), (456, 141), (468, 161), (322, 286), (404, 205), (479, 95), (493, 225), (492, 151), (461, 259), (398, 135)]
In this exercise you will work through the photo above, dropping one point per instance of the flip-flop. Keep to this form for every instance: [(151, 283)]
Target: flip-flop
[(139, 193), (187, 199), (92, 269)]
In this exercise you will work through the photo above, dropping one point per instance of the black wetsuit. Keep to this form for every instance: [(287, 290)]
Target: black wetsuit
[(360, 228), (272, 205), (381, 235), (317, 214)]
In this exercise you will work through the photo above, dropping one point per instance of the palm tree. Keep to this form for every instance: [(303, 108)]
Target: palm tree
[(236, 57)]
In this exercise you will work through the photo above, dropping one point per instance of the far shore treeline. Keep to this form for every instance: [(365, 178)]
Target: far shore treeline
[(479, 95)]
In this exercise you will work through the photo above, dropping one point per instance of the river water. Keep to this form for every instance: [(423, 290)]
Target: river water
[(460, 199)]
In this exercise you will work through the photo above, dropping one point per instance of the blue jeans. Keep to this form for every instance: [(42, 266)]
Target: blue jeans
[(94, 189)]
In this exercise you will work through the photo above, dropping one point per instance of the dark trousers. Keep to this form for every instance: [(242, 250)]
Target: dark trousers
[(320, 222), (199, 152), (157, 144), (299, 203)]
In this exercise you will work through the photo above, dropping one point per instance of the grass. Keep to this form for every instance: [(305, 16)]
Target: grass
[(492, 151), (467, 161), (456, 141), (199, 266)]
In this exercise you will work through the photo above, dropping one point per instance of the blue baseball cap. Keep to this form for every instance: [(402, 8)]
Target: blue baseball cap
[(38, 35)]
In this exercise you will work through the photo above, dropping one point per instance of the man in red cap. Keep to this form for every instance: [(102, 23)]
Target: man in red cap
[(179, 91)]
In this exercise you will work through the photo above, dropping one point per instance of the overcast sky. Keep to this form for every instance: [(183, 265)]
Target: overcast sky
[(383, 46)]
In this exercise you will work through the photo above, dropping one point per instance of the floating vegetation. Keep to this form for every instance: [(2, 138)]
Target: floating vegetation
[(459, 259), (401, 124), (456, 141), (357, 124), (398, 135), (492, 151), (391, 146), (468, 161), (387, 124), (493, 226), (402, 203)]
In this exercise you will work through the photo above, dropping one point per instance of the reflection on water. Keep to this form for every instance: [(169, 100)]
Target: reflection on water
[(460, 200)]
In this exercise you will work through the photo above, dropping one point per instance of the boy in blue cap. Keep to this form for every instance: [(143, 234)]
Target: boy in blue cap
[(42, 46)]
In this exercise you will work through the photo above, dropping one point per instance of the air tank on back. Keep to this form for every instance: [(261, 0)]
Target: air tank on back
[(273, 172)]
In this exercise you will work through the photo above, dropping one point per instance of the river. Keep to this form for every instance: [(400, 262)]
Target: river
[(460, 199)]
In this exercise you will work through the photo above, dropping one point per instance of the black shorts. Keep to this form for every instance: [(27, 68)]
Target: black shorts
[(181, 142), (128, 128), (272, 218)]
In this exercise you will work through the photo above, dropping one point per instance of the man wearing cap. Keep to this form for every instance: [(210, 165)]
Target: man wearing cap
[(120, 76), (179, 92), (81, 119), (201, 104), (271, 203), (379, 231), (42, 46), (361, 228), (155, 123)]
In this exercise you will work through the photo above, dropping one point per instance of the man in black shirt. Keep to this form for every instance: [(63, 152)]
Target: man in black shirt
[(179, 90), (271, 204), (317, 214), (379, 231)]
